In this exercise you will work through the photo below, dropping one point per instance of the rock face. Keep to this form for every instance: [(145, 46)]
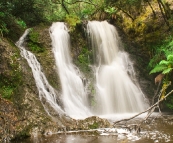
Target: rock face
[(8, 120), (21, 112), (93, 122)]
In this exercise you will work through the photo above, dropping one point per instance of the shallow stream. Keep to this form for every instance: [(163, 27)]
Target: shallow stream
[(154, 130)]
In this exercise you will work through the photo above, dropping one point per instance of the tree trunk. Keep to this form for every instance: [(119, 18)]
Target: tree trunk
[(164, 8), (63, 5), (164, 16), (151, 8)]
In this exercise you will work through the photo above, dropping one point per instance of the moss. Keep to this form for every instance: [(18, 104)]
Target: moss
[(84, 60), (11, 75), (7, 92), (95, 125), (34, 36), (72, 21), (35, 47), (24, 133), (33, 42)]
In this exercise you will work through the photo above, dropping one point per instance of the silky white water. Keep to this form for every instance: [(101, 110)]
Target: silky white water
[(73, 95), (46, 91), (116, 90)]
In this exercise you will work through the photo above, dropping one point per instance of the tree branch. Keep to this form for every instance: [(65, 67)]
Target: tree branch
[(88, 2), (151, 8), (164, 15), (125, 12), (63, 5), (149, 109)]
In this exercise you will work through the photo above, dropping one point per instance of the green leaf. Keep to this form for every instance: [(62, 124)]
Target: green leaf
[(158, 68), (2, 14), (168, 70), (164, 62), (170, 44), (110, 10), (170, 57)]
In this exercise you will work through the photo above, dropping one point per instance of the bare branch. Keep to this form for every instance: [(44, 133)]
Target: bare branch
[(149, 109), (125, 12)]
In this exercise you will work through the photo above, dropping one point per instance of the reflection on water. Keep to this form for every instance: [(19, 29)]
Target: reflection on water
[(84, 139), (155, 130)]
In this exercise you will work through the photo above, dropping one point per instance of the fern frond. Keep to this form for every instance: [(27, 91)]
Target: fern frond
[(164, 62), (168, 70), (170, 44), (158, 68), (170, 57), (168, 52)]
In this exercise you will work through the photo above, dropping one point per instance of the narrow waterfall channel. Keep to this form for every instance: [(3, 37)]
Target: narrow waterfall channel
[(46, 91), (116, 90), (73, 92)]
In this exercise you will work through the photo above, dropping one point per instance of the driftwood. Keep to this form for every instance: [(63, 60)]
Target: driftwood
[(150, 110)]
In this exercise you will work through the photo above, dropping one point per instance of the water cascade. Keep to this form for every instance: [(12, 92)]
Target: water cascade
[(73, 92), (46, 91), (116, 90)]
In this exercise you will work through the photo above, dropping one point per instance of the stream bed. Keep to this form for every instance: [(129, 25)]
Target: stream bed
[(155, 130)]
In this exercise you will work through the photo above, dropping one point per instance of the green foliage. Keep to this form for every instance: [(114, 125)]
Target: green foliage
[(169, 102), (33, 43), (110, 10), (21, 23), (31, 11), (34, 47), (83, 60), (7, 92), (158, 68), (165, 66), (33, 36), (162, 51), (3, 28), (85, 13), (3, 25), (170, 57), (128, 5), (72, 21), (133, 2), (95, 125), (11, 79)]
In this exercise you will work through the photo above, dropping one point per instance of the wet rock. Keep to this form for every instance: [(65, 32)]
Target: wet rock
[(93, 122)]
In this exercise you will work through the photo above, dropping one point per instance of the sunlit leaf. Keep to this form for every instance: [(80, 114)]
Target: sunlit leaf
[(170, 57), (164, 62), (158, 68), (168, 70)]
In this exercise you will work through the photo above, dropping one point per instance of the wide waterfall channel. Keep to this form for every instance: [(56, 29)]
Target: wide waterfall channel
[(116, 89), (117, 93)]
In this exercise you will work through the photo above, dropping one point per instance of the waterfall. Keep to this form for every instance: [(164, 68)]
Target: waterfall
[(116, 87), (74, 96), (46, 91)]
